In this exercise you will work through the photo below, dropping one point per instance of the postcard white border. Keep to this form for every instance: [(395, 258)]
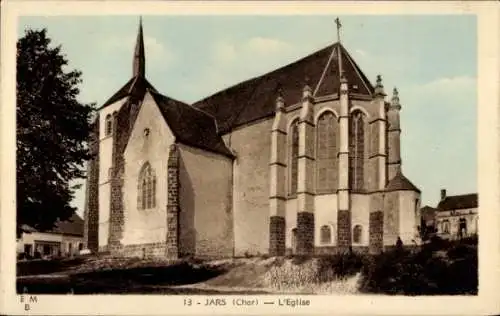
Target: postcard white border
[(488, 156)]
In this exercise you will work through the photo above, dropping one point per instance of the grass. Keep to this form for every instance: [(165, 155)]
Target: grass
[(440, 267)]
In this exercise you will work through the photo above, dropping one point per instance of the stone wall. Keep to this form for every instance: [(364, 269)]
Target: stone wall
[(277, 233), (91, 212), (149, 142), (205, 199), (172, 240), (252, 145)]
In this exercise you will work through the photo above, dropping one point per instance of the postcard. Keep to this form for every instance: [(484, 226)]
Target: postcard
[(250, 158)]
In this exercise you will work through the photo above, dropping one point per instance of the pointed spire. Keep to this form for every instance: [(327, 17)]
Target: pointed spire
[(395, 99), (139, 62)]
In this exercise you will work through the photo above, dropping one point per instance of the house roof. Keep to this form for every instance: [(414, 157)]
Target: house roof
[(455, 202), (401, 183), (72, 226), (255, 98), (191, 126)]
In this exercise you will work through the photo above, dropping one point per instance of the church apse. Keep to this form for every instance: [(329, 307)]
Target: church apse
[(311, 155)]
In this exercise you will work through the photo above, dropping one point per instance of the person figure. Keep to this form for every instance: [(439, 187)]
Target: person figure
[(399, 243)]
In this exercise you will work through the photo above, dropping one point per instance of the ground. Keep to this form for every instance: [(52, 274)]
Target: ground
[(439, 267), (230, 276)]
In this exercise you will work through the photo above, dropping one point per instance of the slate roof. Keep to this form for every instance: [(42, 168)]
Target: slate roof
[(72, 226), (400, 183), (191, 126), (455, 202), (255, 98), (136, 86)]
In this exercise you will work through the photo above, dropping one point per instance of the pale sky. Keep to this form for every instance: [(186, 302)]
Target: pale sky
[(431, 59)]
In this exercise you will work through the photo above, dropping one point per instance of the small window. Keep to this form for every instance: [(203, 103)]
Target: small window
[(110, 173), (146, 132), (325, 234), (357, 234), (109, 125)]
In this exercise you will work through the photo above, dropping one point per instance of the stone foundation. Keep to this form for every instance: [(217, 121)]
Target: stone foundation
[(332, 250), (145, 251), (277, 236), (344, 229), (305, 233), (376, 231)]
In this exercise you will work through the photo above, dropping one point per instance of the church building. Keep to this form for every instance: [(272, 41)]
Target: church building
[(304, 159)]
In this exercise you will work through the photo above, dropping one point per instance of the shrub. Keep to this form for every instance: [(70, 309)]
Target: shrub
[(423, 272), (339, 266)]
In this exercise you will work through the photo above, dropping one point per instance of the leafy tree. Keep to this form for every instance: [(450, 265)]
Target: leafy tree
[(52, 129)]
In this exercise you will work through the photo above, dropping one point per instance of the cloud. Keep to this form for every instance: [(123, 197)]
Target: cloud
[(234, 61), (449, 85), (155, 50), (361, 52), (262, 45), (224, 52)]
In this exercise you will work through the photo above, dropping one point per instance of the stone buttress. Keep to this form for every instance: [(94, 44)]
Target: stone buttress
[(277, 171), (305, 178)]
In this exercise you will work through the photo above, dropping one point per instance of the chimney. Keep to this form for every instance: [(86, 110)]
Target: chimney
[(443, 194)]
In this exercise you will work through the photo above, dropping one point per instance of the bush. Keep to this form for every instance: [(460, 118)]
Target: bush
[(434, 269), (341, 265)]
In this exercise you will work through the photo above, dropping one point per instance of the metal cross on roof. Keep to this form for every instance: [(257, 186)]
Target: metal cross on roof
[(339, 25)]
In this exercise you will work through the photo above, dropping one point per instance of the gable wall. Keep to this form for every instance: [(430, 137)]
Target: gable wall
[(146, 226)]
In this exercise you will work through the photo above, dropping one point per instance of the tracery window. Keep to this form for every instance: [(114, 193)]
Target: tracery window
[(146, 197), (356, 150), (326, 153), (294, 156)]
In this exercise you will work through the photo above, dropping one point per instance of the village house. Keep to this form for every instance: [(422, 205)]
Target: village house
[(457, 216), (304, 159), (66, 239)]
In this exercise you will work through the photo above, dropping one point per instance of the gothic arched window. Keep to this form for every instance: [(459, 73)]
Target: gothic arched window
[(326, 152), (294, 156), (325, 234), (109, 125), (356, 150), (146, 188), (357, 234)]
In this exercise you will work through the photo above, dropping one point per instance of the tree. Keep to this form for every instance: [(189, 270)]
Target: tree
[(52, 130)]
